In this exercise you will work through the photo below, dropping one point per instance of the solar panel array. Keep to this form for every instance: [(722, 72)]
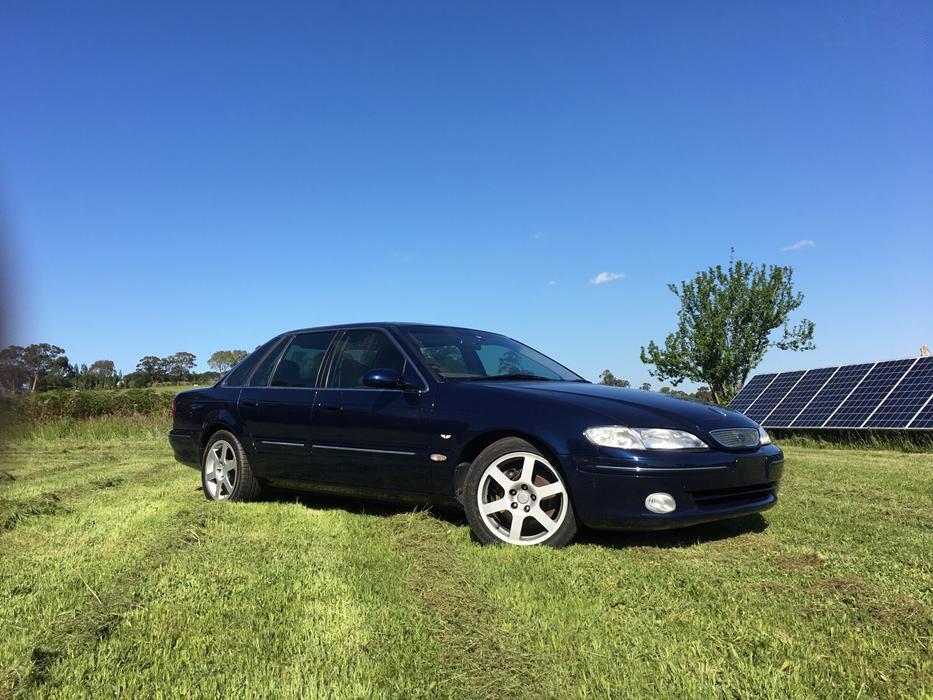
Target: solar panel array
[(883, 395)]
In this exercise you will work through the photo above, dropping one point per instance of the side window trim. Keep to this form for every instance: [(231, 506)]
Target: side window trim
[(324, 368), (272, 348), (278, 348), (324, 362), (253, 359), (337, 347), (275, 365), (323, 373)]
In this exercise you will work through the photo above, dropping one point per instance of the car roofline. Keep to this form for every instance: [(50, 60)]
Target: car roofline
[(382, 324)]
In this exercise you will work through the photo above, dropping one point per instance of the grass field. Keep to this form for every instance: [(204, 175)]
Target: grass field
[(116, 576)]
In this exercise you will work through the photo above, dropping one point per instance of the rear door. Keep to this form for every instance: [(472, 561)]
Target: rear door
[(277, 404), (371, 438)]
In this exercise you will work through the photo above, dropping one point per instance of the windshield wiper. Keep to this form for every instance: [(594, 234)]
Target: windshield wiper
[(516, 376)]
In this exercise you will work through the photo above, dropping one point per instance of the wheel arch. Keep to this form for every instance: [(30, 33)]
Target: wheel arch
[(221, 420), (480, 442)]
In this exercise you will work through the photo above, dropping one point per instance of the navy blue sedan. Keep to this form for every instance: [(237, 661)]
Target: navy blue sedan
[(432, 414)]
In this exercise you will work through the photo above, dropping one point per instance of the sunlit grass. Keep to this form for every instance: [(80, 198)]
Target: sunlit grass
[(117, 577)]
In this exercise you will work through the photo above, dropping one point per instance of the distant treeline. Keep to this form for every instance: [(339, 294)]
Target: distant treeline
[(45, 367)]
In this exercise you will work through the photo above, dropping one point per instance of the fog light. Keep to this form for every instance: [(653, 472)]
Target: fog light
[(660, 503)]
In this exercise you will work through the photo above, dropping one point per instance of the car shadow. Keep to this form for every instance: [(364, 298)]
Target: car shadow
[(362, 506), (676, 537), (612, 539)]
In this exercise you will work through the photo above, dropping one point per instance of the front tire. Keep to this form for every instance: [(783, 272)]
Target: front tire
[(225, 470), (513, 495)]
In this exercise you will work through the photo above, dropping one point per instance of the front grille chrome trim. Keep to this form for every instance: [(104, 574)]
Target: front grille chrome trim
[(737, 437)]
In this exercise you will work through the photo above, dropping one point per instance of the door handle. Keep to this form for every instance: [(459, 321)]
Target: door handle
[(329, 406), (250, 403)]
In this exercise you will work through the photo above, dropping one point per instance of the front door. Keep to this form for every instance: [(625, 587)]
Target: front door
[(370, 438)]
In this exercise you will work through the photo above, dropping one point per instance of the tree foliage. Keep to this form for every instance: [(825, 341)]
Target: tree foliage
[(222, 360), (154, 370), (178, 367), (725, 325), (102, 374), (13, 373), (610, 379), (45, 364), (43, 367)]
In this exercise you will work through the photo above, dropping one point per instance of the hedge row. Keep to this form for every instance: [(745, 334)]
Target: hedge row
[(89, 403)]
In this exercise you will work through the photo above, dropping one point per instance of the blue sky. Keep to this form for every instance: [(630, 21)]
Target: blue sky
[(196, 176)]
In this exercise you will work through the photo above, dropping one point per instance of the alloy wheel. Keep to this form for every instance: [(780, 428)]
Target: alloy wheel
[(220, 470), (522, 498)]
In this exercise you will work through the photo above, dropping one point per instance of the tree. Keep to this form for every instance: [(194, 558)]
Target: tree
[(610, 379), (222, 360), (103, 373), (510, 363), (724, 326), (44, 362), (13, 373), (645, 386), (136, 380), (179, 365), (150, 369)]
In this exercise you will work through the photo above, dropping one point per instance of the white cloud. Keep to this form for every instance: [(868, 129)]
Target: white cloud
[(799, 245), (604, 277), (551, 283), (538, 236)]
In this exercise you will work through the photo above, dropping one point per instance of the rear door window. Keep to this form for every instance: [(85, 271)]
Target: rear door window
[(301, 363)]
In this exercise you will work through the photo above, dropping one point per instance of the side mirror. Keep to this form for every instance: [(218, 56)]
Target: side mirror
[(383, 379)]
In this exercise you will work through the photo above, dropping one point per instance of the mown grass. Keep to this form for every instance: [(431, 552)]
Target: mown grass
[(117, 577)]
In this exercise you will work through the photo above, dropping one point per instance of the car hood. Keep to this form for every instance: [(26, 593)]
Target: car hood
[(632, 407)]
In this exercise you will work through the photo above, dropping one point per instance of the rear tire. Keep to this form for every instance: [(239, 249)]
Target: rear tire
[(512, 494), (225, 470)]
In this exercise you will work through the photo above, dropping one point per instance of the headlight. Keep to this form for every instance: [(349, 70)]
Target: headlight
[(643, 438), (763, 437)]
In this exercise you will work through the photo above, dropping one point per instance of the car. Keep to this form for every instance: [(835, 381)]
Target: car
[(440, 415)]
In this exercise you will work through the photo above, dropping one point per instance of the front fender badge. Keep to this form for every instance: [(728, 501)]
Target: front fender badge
[(437, 457)]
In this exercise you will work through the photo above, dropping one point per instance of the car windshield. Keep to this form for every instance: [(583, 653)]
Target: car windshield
[(465, 355)]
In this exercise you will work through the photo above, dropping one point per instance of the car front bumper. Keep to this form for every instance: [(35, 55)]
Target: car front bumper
[(609, 489)]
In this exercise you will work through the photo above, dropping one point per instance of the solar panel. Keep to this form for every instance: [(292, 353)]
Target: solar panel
[(907, 399), (897, 394), (831, 395), (924, 419), (798, 398), (772, 396), (750, 392), (877, 384)]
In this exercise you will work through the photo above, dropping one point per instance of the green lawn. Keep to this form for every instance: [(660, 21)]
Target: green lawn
[(116, 576)]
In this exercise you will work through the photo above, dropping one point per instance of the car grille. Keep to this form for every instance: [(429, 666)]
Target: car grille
[(736, 437), (735, 495)]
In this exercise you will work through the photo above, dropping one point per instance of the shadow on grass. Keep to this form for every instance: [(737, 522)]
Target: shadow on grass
[(613, 539), (678, 537)]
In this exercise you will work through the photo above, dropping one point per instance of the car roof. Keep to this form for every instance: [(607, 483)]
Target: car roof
[(381, 324)]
